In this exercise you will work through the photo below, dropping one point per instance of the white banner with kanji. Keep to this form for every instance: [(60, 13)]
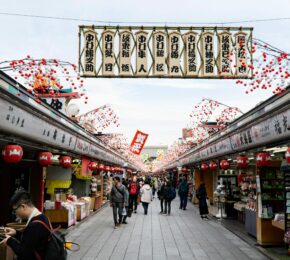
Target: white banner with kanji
[(138, 142)]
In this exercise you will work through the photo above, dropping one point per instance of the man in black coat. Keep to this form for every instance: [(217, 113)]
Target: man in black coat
[(32, 244)]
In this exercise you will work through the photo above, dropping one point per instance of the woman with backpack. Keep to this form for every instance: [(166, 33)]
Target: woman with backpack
[(169, 195), (146, 196)]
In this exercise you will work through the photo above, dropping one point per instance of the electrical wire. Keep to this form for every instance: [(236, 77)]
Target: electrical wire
[(132, 22)]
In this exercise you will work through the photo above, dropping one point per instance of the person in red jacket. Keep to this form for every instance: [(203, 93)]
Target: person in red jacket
[(134, 189)]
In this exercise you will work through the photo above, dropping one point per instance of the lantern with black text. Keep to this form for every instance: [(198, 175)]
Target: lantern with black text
[(287, 155), (204, 167), (65, 161), (212, 166), (44, 158), (263, 159), (93, 166), (225, 164), (242, 162), (12, 153), (101, 167)]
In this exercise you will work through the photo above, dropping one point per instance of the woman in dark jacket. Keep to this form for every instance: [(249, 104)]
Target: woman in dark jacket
[(202, 196), (160, 194)]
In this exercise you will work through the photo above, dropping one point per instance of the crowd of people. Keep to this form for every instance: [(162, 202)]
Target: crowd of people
[(126, 195), (36, 241)]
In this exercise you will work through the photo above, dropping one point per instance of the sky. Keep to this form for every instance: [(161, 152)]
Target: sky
[(159, 107)]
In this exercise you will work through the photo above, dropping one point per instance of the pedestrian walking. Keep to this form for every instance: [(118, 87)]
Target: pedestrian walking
[(183, 193), (126, 206), (134, 189), (160, 194), (169, 195), (202, 196), (117, 199), (31, 244), (146, 196)]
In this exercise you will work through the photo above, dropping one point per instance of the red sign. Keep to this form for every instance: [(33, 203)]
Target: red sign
[(138, 142)]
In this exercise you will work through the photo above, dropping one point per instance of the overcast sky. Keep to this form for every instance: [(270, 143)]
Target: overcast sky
[(157, 106)]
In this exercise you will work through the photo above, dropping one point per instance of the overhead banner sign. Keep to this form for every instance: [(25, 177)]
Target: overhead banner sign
[(138, 142), (165, 52)]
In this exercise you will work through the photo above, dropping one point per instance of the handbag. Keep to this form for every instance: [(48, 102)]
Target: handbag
[(129, 213)]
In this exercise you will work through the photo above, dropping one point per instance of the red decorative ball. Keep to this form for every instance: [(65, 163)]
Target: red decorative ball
[(93, 166), (263, 159), (44, 158), (212, 166), (12, 153), (65, 161), (242, 162), (224, 164), (204, 167)]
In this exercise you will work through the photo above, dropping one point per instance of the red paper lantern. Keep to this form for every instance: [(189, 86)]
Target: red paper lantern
[(108, 168), (224, 164), (263, 159), (65, 161), (184, 169), (287, 155), (242, 162), (12, 153), (44, 158), (93, 166), (213, 166), (101, 167), (204, 167)]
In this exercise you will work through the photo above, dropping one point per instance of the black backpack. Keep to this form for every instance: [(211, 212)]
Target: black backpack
[(55, 248)]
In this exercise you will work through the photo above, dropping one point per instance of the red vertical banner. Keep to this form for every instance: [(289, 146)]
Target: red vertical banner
[(138, 142)]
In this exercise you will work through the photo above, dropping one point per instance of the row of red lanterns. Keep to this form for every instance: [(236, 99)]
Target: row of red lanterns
[(13, 153), (263, 159)]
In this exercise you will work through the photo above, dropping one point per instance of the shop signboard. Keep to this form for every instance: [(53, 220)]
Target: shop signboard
[(243, 139), (165, 51), (274, 128), (82, 147), (18, 121)]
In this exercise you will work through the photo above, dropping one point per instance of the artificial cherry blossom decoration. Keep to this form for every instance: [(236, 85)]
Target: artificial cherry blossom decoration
[(45, 76)]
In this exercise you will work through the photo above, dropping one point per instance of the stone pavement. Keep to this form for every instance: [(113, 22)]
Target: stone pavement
[(182, 235)]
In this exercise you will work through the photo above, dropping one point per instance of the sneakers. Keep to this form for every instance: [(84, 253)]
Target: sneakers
[(124, 222), (116, 226)]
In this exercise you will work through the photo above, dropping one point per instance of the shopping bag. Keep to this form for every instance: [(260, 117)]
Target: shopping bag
[(124, 212)]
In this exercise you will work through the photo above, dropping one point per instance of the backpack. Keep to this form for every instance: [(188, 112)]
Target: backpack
[(55, 248), (171, 193), (133, 188)]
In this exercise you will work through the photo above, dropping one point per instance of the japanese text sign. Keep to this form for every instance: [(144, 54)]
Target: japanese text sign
[(138, 142), (165, 52)]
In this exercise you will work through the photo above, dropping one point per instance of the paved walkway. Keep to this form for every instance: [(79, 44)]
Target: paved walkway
[(183, 235)]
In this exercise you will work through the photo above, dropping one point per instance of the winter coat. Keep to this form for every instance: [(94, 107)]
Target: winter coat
[(183, 188), (146, 193), (160, 192), (119, 196)]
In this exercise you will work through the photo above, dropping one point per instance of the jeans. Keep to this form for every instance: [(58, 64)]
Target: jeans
[(133, 201), (117, 206), (183, 201), (145, 206), (167, 207)]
